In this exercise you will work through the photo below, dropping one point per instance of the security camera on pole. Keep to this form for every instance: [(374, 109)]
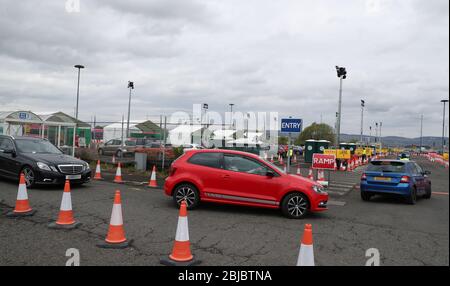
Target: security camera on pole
[(130, 86), (342, 74)]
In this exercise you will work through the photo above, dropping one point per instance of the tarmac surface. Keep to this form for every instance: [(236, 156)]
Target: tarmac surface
[(229, 235)]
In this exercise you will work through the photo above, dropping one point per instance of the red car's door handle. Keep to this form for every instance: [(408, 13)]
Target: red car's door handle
[(226, 176)]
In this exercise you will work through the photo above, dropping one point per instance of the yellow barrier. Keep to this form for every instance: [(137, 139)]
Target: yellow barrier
[(329, 152), (343, 154)]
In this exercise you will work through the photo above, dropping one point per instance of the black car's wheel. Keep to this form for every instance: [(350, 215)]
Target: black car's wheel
[(186, 192), (30, 177), (365, 196), (295, 205), (119, 154), (427, 193), (412, 198)]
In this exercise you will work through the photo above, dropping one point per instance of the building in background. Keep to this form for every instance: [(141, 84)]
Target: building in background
[(144, 129)]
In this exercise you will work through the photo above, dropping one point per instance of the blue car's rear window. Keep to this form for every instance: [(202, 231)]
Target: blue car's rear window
[(387, 166)]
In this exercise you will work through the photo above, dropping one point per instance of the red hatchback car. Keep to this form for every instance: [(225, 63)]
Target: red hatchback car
[(240, 178)]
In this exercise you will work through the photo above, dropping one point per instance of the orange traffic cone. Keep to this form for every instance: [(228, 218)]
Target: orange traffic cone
[(65, 217), (321, 178), (118, 177), (181, 252), (152, 183), (284, 168), (306, 253), (311, 174), (22, 204), (349, 165), (342, 167), (116, 233), (298, 171), (98, 172), (113, 160)]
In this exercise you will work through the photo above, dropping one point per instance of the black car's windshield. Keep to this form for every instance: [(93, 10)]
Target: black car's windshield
[(36, 146), (387, 166)]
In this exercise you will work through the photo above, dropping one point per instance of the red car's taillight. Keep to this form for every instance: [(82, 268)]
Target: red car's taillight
[(404, 179), (363, 177)]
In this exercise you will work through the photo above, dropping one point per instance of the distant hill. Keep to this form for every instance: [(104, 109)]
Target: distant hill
[(393, 141)]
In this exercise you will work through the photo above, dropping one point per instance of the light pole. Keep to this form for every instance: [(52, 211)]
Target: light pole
[(421, 133), (130, 86), (204, 109), (370, 135), (444, 101), (342, 74), (362, 118), (376, 132), (79, 67), (231, 111), (381, 124)]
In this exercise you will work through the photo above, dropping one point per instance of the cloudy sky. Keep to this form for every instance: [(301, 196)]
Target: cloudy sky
[(261, 55)]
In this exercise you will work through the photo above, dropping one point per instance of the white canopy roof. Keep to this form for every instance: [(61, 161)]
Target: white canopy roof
[(186, 129)]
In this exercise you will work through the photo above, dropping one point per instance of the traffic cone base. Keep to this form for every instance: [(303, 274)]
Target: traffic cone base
[(55, 225), (169, 262), (14, 214), (120, 245)]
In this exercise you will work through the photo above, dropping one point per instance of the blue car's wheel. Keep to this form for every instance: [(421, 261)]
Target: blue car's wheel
[(365, 196), (427, 193), (412, 198)]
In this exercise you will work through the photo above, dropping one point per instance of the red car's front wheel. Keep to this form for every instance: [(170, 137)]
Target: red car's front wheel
[(186, 192), (295, 205)]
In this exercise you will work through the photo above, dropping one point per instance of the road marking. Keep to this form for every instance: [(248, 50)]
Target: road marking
[(336, 203), (335, 193), (440, 193)]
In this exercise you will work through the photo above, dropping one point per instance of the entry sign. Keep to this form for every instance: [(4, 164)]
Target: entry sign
[(323, 161), (291, 125)]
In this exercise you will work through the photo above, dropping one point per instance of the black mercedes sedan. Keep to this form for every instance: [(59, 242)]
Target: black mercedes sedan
[(40, 161)]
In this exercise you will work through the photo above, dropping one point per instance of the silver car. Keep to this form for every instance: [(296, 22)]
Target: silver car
[(115, 147)]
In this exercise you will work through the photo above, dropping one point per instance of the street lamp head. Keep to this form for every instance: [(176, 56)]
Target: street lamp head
[(444, 100), (131, 84), (341, 72), (79, 66)]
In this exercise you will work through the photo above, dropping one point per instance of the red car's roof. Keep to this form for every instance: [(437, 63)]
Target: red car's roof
[(222, 151)]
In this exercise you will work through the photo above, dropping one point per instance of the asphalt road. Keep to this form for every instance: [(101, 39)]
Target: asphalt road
[(227, 235)]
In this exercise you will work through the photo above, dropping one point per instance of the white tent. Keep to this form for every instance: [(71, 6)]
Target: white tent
[(184, 134), (221, 134), (117, 130)]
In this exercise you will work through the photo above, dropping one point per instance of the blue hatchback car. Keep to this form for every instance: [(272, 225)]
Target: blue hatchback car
[(398, 177)]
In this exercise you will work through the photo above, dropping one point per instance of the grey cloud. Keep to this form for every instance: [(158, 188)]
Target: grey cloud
[(259, 54)]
